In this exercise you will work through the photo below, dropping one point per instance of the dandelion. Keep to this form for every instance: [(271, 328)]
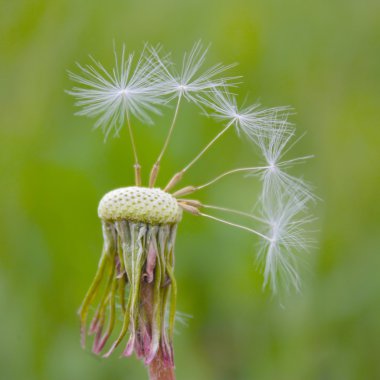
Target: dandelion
[(135, 276)]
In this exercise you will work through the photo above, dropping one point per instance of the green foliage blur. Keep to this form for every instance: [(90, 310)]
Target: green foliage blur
[(322, 57)]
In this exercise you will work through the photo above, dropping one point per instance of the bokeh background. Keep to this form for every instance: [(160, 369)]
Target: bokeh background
[(322, 57)]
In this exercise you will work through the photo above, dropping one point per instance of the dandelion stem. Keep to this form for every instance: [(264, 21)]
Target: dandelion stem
[(158, 371), (191, 189), (136, 165), (232, 211), (257, 168), (205, 149), (236, 225), (178, 176), (171, 129), (156, 166)]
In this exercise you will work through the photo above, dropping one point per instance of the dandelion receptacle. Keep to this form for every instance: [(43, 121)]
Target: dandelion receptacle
[(132, 299)]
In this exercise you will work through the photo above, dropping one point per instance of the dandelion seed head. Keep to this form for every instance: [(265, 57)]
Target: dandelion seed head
[(140, 204)]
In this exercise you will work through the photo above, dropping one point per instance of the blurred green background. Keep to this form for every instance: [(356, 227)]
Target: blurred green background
[(322, 57)]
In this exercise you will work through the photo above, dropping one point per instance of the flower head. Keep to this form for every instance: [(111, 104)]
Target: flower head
[(139, 229)]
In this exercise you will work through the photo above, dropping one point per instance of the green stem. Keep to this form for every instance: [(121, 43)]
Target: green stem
[(158, 371)]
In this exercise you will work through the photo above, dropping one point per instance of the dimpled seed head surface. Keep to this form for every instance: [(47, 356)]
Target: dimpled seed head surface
[(140, 204)]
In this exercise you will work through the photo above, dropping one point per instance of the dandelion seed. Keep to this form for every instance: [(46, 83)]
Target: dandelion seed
[(129, 89), (274, 145), (189, 82), (252, 120), (111, 97), (285, 221)]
